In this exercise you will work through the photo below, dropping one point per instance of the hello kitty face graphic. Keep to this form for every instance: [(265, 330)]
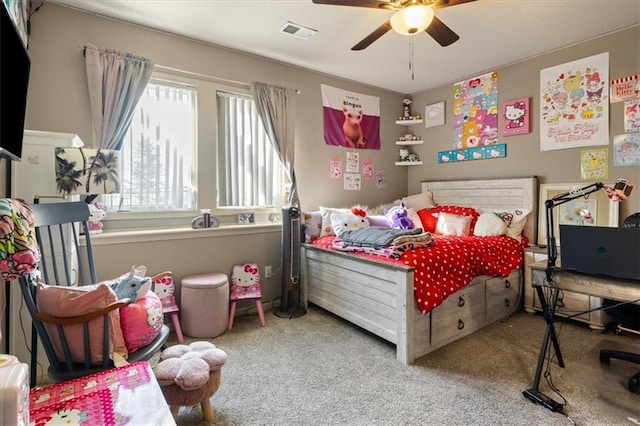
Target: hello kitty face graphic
[(67, 416), (164, 290), (245, 275)]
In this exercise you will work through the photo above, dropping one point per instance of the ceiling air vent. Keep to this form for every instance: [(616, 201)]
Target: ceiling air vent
[(298, 30)]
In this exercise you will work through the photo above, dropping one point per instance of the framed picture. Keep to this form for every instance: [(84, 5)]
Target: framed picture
[(245, 218), (434, 115), (596, 209)]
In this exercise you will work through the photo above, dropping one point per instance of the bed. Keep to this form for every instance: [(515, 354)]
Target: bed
[(378, 295)]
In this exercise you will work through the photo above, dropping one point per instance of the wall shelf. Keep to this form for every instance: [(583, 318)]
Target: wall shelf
[(408, 163), (409, 122), (418, 142)]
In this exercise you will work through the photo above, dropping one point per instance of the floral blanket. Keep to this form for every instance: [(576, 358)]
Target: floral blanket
[(449, 263), (19, 252)]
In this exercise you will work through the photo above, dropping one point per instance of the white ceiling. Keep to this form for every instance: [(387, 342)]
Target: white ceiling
[(492, 33)]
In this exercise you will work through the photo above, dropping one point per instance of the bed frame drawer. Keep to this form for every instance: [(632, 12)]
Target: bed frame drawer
[(502, 296), (460, 314)]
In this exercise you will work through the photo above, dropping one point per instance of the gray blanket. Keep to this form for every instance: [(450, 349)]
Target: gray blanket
[(375, 236)]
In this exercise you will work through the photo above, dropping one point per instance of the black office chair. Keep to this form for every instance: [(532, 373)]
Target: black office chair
[(67, 260), (628, 318)]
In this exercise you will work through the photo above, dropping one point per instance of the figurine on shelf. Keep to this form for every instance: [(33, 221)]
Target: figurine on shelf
[(406, 110), (413, 157), (404, 154)]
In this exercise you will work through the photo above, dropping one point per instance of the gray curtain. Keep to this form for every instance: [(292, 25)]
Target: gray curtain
[(116, 81), (277, 109)]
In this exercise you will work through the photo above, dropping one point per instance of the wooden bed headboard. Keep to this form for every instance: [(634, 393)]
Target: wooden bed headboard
[(509, 193)]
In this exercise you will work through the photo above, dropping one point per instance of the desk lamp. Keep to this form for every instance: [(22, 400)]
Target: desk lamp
[(621, 191)]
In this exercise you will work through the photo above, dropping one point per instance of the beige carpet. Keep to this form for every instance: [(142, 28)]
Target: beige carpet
[(321, 370), (609, 381)]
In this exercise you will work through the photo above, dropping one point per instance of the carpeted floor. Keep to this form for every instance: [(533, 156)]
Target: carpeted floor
[(321, 370)]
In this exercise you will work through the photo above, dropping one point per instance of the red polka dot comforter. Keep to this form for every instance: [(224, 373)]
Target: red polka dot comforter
[(451, 262)]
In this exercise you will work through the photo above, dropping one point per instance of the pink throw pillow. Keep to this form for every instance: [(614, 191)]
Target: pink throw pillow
[(141, 321), (63, 301)]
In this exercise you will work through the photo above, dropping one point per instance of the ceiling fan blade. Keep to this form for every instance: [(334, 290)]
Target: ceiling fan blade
[(437, 4), (376, 34), (373, 4), (441, 33)]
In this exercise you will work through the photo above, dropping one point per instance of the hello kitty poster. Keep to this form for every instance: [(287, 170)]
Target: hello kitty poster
[(574, 104), (515, 117)]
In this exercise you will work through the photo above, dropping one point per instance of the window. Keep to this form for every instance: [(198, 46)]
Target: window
[(158, 151), (177, 158), (250, 171)]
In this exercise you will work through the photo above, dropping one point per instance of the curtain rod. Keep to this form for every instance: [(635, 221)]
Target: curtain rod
[(220, 79)]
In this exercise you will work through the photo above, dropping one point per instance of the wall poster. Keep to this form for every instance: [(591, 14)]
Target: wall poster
[(626, 149), (335, 168), (351, 120), (574, 110), (594, 163), (515, 114), (625, 88), (475, 111), (367, 168), (632, 115)]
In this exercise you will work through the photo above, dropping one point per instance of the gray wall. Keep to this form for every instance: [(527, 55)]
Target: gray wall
[(58, 101), (524, 157)]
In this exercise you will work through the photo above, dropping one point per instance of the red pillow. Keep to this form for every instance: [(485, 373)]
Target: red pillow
[(429, 221), (462, 211)]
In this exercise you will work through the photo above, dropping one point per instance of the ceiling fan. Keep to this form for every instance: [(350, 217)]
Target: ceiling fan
[(411, 17)]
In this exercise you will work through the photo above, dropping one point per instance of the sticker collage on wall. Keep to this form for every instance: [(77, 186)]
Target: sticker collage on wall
[(626, 146)]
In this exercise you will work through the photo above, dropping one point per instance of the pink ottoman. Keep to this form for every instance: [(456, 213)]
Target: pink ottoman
[(204, 307)]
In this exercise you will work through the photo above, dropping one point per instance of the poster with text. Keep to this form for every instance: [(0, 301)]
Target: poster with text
[(574, 110), (475, 111), (351, 120), (625, 88)]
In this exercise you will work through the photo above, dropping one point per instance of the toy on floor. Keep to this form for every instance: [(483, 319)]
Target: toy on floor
[(190, 375)]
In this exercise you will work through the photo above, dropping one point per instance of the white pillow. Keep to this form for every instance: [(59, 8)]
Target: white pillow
[(341, 222), (326, 219), (453, 224), (424, 200), (489, 224), (516, 219)]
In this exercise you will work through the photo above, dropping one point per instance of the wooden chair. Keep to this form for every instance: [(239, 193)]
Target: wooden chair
[(67, 260)]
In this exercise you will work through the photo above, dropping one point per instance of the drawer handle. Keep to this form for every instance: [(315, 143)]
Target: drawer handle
[(507, 284), (507, 302), (460, 301), (560, 303), (460, 324)]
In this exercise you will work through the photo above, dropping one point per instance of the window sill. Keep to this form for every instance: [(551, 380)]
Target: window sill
[(168, 234)]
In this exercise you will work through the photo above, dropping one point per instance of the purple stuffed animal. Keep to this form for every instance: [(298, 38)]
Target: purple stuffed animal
[(398, 217)]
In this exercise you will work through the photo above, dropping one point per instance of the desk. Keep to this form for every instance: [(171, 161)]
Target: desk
[(607, 288), (126, 395)]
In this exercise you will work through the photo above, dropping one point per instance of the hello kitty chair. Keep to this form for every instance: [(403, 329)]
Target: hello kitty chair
[(163, 286), (245, 284)]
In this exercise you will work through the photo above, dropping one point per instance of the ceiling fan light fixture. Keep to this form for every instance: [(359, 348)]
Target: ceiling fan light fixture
[(412, 19)]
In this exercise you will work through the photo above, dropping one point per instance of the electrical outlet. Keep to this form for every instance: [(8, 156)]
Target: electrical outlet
[(267, 272)]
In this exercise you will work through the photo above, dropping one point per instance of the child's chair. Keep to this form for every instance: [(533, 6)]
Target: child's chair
[(162, 285), (245, 284)]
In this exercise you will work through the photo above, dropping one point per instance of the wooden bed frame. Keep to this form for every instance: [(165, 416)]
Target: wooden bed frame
[(378, 295)]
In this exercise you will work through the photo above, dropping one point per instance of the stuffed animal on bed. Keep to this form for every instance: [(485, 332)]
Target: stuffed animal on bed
[(398, 217)]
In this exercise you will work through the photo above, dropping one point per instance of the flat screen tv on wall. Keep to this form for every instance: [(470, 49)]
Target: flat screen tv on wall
[(14, 80)]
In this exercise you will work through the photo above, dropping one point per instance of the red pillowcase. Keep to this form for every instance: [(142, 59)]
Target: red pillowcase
[(462, 211), (429, 221)]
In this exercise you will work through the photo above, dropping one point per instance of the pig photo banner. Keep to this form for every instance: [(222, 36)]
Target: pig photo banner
[(351, 120)]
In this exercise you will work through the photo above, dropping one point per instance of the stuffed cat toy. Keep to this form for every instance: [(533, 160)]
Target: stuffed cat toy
[(131, 286), (398, 217)]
